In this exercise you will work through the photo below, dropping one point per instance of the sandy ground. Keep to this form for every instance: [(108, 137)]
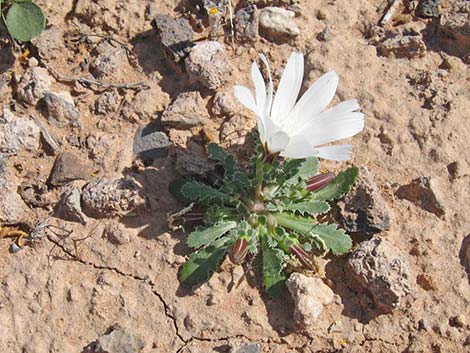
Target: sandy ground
[(417, 125)]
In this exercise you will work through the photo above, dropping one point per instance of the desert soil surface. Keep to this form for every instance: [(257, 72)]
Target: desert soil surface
[(81, 176)]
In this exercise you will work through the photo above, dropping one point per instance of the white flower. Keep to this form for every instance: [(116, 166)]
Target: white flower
[(301, 129)]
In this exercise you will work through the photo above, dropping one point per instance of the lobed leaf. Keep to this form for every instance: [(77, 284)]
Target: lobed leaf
[(309, 207), (205, 237), (308, 168), (338, 187), (202, 193), (25, 20), (273, 275), (328, 235), (203, 263), (218, 154)]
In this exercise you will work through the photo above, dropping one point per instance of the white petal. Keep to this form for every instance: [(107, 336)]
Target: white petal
[(288, 89), (269, 99), (260, 86), (317, 97), (278, 141), (261, 130), (334, 153), (298, 147), (245, 97), (337, 127)]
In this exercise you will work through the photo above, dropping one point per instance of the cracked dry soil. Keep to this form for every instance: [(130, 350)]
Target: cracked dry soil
[(416, 126)]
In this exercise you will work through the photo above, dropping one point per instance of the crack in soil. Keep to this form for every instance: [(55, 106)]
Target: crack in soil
[(166, 307), (127, 275)]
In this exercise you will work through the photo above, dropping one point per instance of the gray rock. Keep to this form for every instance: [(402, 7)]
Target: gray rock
[(207, 63), (225, 104), (376, 266), (33, 85), (193, 161), (61, 109), (69, 207), (108, 60), (104, 197), (116, 234), (245, 347), (187, 110), (310, 295), (176, 36), (108, 102), (363, 210), (18, 134), (428, 8), (49, 141), (402, 46), (276, 23), (119, 340), (69, 167), (246, 23), (150, 144), (422, 192)]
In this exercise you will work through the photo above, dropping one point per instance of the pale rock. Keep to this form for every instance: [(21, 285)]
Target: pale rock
[(61, 110), (187, 110), (32, 86), (12, 207), (69, 207), (117, 234), (276, 23), (207, 63), (310, 295), (119, 340), (18, 133), (104, 197)]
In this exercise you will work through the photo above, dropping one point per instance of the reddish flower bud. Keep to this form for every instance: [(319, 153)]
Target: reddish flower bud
[(238, 251), (320, 181), (302, 256)]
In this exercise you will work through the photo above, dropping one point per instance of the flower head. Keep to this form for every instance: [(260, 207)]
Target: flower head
[(300, 129)]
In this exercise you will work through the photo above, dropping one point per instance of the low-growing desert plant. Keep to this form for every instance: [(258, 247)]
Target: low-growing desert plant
[(274, 205), (23, 19)]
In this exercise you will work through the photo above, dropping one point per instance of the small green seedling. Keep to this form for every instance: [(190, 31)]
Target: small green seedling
[(24, 19), (271, 209)]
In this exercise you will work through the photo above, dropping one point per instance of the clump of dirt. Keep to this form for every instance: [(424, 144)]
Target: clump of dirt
[(102, 87)]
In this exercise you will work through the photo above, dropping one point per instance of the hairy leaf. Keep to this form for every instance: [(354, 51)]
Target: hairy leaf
[(207, 236), (338, 187), (218, 154), (25, 20), (309, 207), (273, 276), (202, 264), (202, 193), (175, 189), (328, 235), (308, 168)]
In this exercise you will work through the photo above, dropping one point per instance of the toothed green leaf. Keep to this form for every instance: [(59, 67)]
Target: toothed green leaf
[(334, 239), (202, 193), (218, 154), (175, 189), (338, 187), (308, 168), (207, 236), (309, 207), (331, 238), (203, 263), (273, 275)]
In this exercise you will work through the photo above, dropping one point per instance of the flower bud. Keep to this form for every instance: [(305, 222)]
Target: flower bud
[(302, 256), (319, 181), (239, 250)]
